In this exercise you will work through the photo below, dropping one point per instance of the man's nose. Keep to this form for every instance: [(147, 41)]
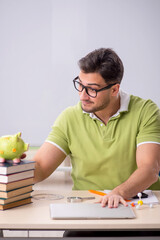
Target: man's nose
[(83, 94)]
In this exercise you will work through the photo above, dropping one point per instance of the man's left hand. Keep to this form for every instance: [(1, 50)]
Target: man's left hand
[(113, 200)]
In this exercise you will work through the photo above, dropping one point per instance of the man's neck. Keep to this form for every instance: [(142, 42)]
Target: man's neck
[(105, 114)]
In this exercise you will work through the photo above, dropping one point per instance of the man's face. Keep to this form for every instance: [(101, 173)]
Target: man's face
[(95, 81)]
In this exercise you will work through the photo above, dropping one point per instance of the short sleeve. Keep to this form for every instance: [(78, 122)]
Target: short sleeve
[(149, 124), (58, 134)]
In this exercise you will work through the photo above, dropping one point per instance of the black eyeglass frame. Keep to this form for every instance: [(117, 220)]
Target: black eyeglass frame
[(86, 88)]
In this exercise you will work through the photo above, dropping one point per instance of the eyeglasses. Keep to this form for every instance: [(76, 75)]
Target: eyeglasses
[(90, 91)]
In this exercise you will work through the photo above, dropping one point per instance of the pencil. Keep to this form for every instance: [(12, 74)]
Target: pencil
[(103, 194), (97, 192)]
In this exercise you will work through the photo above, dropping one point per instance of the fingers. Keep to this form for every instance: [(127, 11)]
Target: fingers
[(23, 156), (124, 202), (104, 201), (112, 201)]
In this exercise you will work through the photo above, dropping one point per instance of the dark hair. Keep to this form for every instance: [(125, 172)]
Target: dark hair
[(105, 62)]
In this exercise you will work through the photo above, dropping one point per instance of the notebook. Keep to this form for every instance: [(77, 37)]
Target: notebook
[(88, 211)]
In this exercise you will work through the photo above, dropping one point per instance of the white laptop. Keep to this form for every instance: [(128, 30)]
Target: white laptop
[(88, 211)]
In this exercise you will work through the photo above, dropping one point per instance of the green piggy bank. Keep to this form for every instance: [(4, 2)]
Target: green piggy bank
[(12, 147)]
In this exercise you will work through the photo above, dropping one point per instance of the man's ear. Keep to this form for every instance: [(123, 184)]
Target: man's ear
[(115, 90)]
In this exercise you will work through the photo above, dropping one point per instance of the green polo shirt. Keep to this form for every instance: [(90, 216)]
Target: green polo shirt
[(104, 156)]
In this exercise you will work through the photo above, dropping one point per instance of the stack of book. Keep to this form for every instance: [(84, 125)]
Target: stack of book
[(16, 183)]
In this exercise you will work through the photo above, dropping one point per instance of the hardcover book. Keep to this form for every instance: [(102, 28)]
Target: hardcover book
[(14, 199), (15, 204), (16, 184), (15, 192), (9, 166), (16, 176)]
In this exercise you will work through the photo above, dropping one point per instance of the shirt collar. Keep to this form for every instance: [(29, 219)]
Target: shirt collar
[(124, 103)]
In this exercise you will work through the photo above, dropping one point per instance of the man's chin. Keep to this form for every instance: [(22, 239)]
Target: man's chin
[(86, 109)]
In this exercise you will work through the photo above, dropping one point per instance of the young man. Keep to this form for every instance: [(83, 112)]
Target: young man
[(113, 138)]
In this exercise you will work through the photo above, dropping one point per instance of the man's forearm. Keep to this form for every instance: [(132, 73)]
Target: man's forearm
[(140, 180), (47, 159), (38, 174)]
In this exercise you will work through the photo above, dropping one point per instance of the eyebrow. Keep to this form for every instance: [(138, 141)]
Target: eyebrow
[(91, 84)]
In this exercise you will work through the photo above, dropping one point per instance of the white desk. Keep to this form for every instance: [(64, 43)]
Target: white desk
[(36, 216)]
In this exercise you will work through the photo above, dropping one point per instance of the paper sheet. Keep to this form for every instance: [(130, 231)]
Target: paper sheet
[(151, 198)]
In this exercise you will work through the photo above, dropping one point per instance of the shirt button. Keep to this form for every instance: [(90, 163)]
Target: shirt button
[(101, 124)]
